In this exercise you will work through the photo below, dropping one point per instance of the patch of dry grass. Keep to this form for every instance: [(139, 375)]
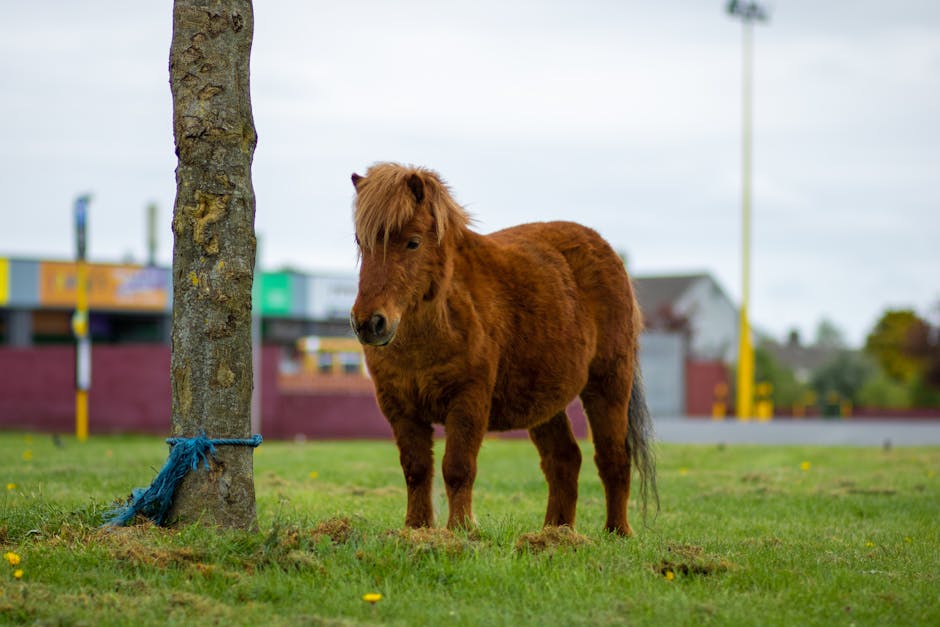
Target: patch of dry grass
[(687, 559), (428, 539), (551, 539)]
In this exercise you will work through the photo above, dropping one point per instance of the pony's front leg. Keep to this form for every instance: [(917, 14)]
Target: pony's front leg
[(415, 447), (464, 435)]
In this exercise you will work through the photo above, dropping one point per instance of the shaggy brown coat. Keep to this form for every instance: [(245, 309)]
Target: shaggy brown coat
[(496, 332)]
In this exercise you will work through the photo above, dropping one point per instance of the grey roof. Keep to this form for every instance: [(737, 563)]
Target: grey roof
[(658, 294)]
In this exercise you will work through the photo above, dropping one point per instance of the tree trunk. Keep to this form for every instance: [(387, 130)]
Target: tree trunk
[(213, 254)]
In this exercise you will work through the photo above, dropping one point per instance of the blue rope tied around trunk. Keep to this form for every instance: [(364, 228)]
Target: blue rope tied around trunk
[(154, 502)]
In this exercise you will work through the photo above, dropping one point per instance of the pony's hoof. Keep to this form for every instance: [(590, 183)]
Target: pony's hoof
[(468, 523), (624, 531), (419, 523)]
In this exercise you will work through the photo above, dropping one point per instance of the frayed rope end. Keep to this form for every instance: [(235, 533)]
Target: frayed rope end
[(154, 502)]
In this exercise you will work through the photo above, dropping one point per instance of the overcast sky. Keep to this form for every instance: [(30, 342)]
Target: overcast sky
[(622, 115)]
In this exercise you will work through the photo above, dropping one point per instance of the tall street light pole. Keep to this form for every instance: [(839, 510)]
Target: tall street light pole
[(749, 12)]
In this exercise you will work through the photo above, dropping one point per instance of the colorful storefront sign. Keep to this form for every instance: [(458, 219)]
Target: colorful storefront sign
[(273, 292), (109, 286)]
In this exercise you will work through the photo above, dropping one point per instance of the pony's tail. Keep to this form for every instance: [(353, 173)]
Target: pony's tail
[(640, 442)]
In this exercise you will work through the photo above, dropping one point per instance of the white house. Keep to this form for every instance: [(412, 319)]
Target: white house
[(694, 303)]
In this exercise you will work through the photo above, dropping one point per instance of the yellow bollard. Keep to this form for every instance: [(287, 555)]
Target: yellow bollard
[(720, 403), (765, 401)]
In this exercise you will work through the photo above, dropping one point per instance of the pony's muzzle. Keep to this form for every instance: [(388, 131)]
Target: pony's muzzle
[(374, 331)]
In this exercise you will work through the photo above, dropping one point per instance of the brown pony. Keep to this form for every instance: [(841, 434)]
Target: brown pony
[(495, 332)]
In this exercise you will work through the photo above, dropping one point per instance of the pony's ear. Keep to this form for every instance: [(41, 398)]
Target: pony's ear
[(417, 187), (355, 180)]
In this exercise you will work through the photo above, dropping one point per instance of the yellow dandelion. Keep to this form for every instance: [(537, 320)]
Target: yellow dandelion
[(870, 544), (683, 471), (27, 455), (669, 575), (908, 539), (18, 573), (314, 474), (372, 597), (11, 486), (12, 558), (805, 466)]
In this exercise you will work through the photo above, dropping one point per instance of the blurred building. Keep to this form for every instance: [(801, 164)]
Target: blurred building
[(689, 337), (695, 304), (131, 303)]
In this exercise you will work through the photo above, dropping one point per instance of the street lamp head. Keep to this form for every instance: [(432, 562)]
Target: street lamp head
[(747, 11)]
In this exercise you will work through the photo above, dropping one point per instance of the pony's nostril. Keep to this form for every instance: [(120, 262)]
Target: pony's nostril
[(378, 324)]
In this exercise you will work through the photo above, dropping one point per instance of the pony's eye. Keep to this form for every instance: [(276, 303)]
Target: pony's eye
[(413, 243)]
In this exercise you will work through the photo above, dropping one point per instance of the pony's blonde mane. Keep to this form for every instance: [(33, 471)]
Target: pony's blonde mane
[(386, 202)]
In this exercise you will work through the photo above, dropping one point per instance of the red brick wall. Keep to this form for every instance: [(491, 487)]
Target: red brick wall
[(130, 389), (37, 388), (701, 377), (131, 393)]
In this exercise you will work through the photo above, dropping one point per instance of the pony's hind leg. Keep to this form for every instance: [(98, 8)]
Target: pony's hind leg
[(561, 463), (605, 403)]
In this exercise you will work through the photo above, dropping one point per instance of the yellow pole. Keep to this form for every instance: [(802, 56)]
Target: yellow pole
[(81, 415), (745, 384), (80, 323)]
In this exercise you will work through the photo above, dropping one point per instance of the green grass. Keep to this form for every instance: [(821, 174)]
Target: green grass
[(745, 536)]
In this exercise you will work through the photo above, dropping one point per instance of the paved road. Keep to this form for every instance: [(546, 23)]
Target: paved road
[(821, 432)]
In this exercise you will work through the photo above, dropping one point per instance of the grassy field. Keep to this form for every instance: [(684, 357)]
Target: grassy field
[(746, 535)]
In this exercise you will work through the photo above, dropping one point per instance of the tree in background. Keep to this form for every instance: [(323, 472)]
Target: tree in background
[(907, 348), (924, 346), (213, 253), (843, 378), (829, 335), (892, 344), (883, 392)]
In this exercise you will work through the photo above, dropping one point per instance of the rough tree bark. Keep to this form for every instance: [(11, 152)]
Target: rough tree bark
[(213, 253)]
